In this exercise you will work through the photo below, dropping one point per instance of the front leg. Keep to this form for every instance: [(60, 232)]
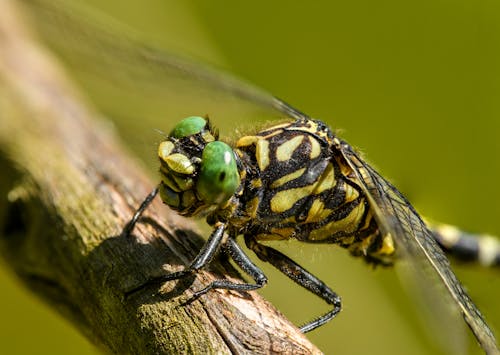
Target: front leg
[(204, 257), (144, 205), (243, 261)]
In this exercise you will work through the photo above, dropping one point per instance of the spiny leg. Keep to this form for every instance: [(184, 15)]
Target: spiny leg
[(301, 277), (145, 204), (243, 261), (204, 257)]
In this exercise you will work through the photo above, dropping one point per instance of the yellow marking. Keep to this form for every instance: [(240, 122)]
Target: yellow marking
[(348, 224), (285, 233), (273, 130), (312, 128), (252, 206), (262, 154), (183, 183), (179, 163), (317, 212), (284, 151), (326, 180), (165, 148), (290, 219), (368, 218), (314, 212), (243, 174), (167, 180), (365, 244), (345, 169), (315, 148), (272, 134), (239, 153), (284, 200), (489, 248), (350, 193), (246, 141), (188, 198), (256, 183), (386, 251), (387, 247), (284, 179), (207, 137), (264, 237), (449, 235)]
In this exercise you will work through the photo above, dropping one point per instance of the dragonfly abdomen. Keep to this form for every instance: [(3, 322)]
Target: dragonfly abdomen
[(468, 247)]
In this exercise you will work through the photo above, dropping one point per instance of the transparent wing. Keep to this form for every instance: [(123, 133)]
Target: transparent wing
[(396, 216), (107, 56)]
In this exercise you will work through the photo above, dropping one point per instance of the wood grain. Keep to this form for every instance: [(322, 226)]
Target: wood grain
[(67, 190)]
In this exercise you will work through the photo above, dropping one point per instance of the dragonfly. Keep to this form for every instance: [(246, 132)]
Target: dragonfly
[(293, 180), (296, 180)]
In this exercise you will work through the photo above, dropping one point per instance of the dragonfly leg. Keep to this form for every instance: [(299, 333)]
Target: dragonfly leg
[(145, 204), (243, 261), (203, 258), (302, 277)]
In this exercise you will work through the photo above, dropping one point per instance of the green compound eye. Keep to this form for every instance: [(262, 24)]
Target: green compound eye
[(218, 178), (188, 127)]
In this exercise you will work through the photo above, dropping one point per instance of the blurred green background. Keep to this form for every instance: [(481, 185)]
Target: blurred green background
[(414, 85)]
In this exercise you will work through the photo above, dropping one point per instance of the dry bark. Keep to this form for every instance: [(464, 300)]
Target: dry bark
[(67, 190)]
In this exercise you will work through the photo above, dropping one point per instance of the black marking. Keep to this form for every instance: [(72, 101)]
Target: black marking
[(385, 213), (466, 247)]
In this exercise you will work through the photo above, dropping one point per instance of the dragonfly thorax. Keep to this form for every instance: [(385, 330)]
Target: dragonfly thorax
[(295, 185)]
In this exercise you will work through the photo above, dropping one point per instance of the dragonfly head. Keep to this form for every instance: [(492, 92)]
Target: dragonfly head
[(198, 172)]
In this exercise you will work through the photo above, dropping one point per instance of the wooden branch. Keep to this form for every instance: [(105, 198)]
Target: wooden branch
[(67, 190)]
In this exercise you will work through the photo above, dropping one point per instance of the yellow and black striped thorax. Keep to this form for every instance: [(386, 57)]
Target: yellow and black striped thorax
[(296, 185)]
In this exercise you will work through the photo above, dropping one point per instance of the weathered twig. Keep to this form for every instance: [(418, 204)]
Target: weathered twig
[(67, 192)]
